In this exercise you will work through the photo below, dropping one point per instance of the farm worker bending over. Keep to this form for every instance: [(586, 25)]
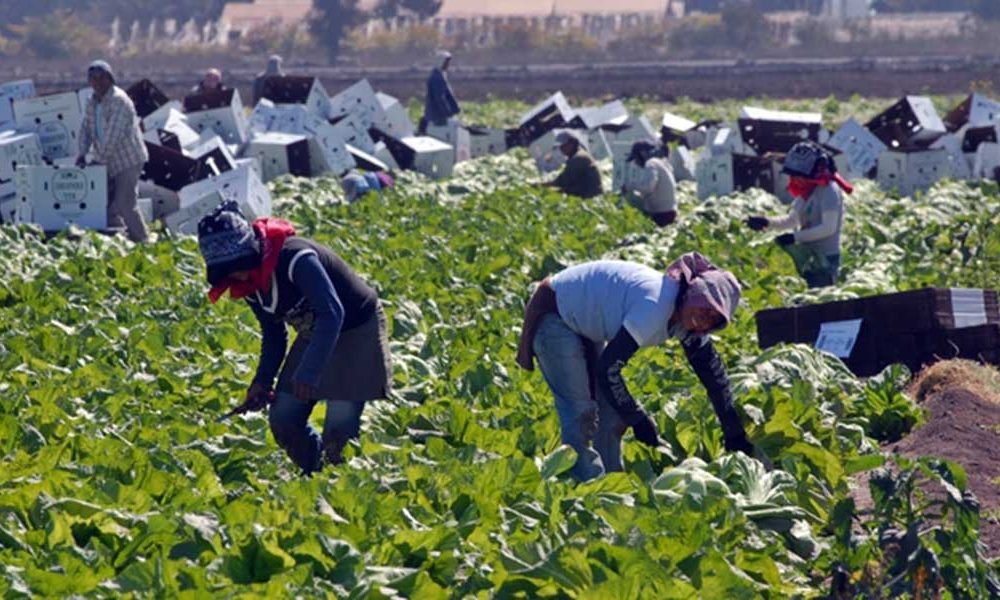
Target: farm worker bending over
[(440, 104), (341, 352), (585, 323), (580, 175), (356, 183), (817, 211), (655, 194), (211, 82), (111, 128), (273, 70)]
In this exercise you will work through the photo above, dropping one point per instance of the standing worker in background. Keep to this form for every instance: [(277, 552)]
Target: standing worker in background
[(580, 175), (273, 70), (111, 127), (655, 195), (341, 350), (440, 104), (587, 321), (211, 82), (817, 212)]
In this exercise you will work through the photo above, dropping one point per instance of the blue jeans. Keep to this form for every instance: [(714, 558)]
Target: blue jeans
[(588, 422), (289, 419), (818, 279)]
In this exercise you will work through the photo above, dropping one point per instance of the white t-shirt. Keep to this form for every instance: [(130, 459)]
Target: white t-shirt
[(596, 299)]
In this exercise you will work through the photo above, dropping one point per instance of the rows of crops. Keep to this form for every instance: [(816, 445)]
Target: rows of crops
[(116, 478)]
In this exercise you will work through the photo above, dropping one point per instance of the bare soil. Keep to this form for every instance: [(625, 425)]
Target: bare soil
[(963, 425)]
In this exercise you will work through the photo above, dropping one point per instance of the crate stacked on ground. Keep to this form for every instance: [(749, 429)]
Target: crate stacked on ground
[(914, 328)]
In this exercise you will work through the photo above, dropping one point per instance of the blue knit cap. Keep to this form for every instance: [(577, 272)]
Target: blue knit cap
[(227, 242)]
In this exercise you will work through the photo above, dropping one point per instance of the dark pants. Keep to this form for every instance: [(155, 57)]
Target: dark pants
[(824, 277)]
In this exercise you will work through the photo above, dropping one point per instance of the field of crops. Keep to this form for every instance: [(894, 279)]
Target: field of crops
[(116, 478)]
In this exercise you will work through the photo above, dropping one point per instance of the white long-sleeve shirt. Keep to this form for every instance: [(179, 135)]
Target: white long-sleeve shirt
[(657, 193), (819, 220)]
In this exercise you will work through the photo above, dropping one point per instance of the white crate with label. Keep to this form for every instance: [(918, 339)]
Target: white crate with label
[(56, 119), (174, 122), (908, 172), (17, 149), (292, 118), (9, 92), (961, 166), (56, 197), (986, 161), (10, 210), (354, 133), (487, 141), (597, 142), (358, 100), (199, 199)]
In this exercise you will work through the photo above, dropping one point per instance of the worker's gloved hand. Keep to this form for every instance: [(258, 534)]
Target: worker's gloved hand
[(645, 431), (81, 161), (757, 223), (785, 239), (257, 397)]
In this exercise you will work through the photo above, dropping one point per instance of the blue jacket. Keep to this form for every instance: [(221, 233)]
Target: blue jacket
[(440, 104)]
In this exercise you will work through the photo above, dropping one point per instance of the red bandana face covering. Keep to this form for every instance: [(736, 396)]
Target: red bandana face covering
[(803, 187), (272, 234)]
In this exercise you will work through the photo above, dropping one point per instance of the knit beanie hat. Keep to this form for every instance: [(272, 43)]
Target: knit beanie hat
[(227, 242)]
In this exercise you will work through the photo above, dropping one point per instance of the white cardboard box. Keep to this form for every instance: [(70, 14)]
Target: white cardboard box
[(392, 117), (454, 134), (987, 159), (292, 118), (173, 121), (432, 157), (860, 145), (912, 171), (727, 140), (9, 92), (592, 117), (487, 141), (961, 166), (280, 154), (199, 199), (637, 129), (10, 210), (597, 141), (676, 123), (163, 201), (626, 173), (56, 197), (354, 133), (382, 153), (56, 119), (683, 163), (17, 149), (714, 174), (359, 100), (158, 118), (228, 122), (327, 149), (547, 156), (263, 117)]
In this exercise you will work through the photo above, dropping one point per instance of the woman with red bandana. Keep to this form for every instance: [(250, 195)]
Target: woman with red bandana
[(817, 212), (341, 350)]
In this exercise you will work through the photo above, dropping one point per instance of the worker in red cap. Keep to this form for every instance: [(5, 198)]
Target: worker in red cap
[(817, 214)]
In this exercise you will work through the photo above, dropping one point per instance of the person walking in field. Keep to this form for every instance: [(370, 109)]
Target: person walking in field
[(817, 213), (341, 351), (273, 69), (580, 176), (111, 128), (586, 322), (656, 193), (440, 104)]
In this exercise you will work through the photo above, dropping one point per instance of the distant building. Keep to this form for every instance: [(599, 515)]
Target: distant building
[(714, 6), (243, 17)]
